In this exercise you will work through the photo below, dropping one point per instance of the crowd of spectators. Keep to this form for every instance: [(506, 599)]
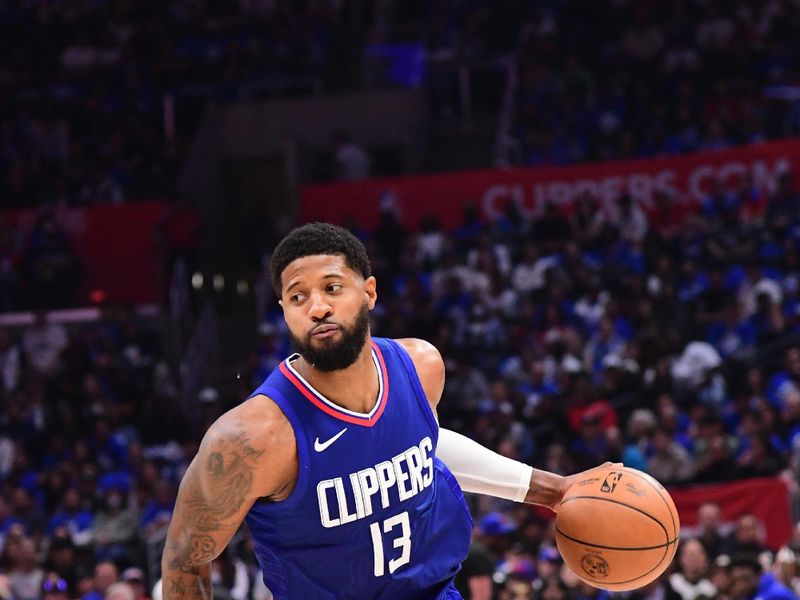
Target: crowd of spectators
[(92, 443), (46, 259), (38, 268), (99, 99), (624, 79), (81, 111)]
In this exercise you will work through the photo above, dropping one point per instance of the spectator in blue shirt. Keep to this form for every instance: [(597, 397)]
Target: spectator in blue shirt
[(72, 516)]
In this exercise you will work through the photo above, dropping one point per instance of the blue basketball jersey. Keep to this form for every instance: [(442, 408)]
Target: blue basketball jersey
[(374, 514)]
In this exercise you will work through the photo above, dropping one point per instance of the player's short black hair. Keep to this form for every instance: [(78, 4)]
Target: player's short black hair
[(318, 238)]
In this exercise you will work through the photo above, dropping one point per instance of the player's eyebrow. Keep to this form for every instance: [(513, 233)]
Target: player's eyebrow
[(326, 276)]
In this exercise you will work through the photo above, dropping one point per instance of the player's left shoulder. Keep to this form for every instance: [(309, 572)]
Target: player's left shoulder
[(429, 365), (423, 353)]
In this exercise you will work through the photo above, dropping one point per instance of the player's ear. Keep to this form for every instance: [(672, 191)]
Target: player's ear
[(280, 302), (371, 291)]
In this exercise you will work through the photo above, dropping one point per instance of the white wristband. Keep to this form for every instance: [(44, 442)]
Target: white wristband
[(481, 471)]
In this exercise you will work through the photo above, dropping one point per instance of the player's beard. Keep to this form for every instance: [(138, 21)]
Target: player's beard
[(328, 355)]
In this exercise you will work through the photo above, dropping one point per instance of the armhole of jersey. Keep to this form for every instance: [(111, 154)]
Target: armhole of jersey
[(300, 442), (422, 398)]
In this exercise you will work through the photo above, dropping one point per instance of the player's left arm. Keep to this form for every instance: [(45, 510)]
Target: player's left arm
[(476, 468)]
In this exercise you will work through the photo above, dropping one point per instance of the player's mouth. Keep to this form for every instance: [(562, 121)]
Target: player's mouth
[(324, 331)]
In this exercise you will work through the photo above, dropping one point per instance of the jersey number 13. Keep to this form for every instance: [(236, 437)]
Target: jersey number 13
[(402, 541)]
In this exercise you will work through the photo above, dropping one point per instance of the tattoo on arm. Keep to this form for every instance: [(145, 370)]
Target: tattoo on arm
[(228, 472), (179, 588), (196, 551), (176, 588), (241, 440)]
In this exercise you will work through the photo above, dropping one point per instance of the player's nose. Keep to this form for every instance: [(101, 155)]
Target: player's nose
[(319, 307)]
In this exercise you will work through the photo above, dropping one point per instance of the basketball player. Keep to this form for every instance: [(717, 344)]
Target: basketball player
[(336, 462)]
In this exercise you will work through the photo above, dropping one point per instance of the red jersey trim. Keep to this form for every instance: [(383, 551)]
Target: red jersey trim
[(331, 409)]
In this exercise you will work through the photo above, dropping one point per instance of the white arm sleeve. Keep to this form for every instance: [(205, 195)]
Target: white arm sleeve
[(481, 471)]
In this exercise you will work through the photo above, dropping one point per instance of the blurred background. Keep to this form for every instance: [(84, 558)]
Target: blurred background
[(590, 208)]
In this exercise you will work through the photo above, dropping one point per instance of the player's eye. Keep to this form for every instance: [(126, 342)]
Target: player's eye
[(334, 287), (296, 297)]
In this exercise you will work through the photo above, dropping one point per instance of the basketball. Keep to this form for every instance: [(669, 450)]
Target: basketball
[(617, 529)]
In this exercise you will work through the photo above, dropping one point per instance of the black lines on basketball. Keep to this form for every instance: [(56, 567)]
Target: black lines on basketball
[(626, 505), (654, 485), (625, 549)]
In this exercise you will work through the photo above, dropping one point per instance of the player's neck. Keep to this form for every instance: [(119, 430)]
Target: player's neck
[(354, 388)]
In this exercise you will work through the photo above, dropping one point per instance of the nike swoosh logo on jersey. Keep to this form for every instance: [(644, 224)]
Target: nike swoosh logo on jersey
[(319, 447)]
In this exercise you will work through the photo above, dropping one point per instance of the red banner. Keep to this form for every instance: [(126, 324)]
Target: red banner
[(115, 245), (766, 498), (686, 178)]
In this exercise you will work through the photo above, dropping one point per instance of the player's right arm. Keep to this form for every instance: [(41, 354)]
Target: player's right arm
[(247, 454)]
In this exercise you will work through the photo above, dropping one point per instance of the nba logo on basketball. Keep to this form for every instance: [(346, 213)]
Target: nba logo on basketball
[(595, 565), (610, 482)]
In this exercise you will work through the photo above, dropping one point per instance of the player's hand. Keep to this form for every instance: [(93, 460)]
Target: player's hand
[(547, 489), (568, 481)]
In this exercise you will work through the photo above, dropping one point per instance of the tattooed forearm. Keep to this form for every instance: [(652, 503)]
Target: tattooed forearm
[(189, 555), (186, 568), (182, 587), (179, 588), (176, 588)]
